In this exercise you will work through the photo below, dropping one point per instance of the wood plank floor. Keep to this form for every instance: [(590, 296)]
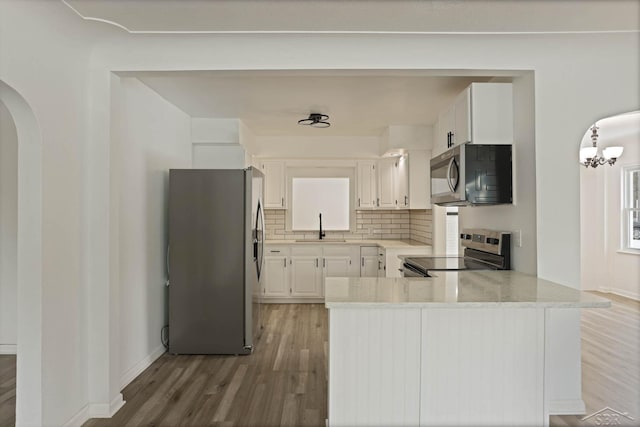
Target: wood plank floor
[(7, 390), (610, 362), (284, 383)]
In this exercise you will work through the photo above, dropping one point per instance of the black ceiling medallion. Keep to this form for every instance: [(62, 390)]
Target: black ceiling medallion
[(316, 120)]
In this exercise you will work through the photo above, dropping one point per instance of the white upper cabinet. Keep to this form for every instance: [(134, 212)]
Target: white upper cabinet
[(274, 190), (419, 179), (366, 197), (402, 182), (386, 183), (481, 114)]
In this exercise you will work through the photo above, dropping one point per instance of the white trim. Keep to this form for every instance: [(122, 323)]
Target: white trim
[(106, 410), (567, 407), (8, 349), (139, 367), (78, 419), (621, 292), (285, 300), (106, 21), (628, 251)]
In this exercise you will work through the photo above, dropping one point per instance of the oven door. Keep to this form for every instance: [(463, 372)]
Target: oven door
[(409, 271), (447, 181)]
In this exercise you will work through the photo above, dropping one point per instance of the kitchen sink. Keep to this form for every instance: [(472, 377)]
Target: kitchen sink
[(320, 241)]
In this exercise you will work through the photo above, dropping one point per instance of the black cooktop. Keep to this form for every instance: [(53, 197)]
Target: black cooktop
[(426, 264)]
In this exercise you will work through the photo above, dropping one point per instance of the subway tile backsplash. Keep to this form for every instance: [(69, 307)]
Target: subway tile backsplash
[(378, 224)]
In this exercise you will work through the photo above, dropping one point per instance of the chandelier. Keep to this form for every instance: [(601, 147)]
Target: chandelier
[(589, 155)]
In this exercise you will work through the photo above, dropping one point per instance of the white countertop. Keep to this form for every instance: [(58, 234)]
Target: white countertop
[(456, 290), (383, 243)]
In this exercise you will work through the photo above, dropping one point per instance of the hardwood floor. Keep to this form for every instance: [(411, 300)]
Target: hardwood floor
[(283, 383), (610, 363), (7, 390)]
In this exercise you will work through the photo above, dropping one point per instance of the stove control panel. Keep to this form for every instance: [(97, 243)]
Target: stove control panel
[(495, 242)]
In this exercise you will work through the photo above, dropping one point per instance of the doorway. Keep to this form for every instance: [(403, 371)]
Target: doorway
[(28, 257)]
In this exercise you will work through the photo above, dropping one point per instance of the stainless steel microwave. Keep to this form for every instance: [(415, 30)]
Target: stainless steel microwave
[(472, 174)]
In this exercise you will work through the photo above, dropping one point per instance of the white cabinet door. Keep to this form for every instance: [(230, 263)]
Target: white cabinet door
[(306, 276), (462, 118), (369, 266), (420, 179), (446, 125), (382, 262), (366, 184), (369, 261), (386, 183), (402, 182), (276, 276), (492, 113), (336, 266), (274, 190)]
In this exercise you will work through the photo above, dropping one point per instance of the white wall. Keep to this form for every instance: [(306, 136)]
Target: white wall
[(216, 143), (45, 57), (8, 231), (604, 267), (152, 136), (521, 216), (317, 146)]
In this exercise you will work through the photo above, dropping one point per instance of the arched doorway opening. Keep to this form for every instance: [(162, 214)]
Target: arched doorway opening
[(29, 258)]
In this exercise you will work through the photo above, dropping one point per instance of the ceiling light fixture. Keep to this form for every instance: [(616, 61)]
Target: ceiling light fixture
[(316, 120), (589, 155)]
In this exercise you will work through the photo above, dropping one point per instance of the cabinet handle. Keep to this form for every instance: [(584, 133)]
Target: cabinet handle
[(282, 202), (275, 252), (378, 202), (324, 264), (396, 203), (362, 258), (358, 201), (285, 262), (379, 266), (406, 202), (453, 138), (316, 262)]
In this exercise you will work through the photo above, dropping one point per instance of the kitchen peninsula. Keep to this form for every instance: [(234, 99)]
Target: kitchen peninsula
[(462, 348)]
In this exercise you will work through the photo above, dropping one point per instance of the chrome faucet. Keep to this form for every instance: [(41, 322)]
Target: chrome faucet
[(321, 234)]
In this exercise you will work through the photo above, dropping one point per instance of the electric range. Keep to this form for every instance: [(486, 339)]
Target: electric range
[(483, 250)]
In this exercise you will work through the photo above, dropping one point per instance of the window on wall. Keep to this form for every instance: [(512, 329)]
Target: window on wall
[(631, 208), (314, 196), (315, 190)]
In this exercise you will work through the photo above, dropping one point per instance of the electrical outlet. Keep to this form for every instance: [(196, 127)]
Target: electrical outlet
[(517, 238)]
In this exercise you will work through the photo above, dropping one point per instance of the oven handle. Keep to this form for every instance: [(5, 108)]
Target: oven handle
[(409, 268)]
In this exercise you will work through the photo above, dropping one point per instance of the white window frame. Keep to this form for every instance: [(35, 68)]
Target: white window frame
[(628, 209), (322, 172)]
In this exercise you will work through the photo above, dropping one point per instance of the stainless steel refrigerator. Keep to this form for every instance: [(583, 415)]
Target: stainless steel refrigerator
[(216, 238)]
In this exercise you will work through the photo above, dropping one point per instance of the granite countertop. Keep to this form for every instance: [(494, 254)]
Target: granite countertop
[(383, 243), (468, 289)]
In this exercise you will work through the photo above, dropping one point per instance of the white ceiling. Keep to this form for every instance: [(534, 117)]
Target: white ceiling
[(359, 103), (364, 15)]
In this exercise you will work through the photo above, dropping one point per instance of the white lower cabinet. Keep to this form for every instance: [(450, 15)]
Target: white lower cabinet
[(275, 276), (297, 272), (369, 261)]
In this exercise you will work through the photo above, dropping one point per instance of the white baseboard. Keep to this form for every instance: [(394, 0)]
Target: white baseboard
[(621, 292), (293, 300), (96, 410), (567, 407), (8, 349), (78, 419), (139, 367)]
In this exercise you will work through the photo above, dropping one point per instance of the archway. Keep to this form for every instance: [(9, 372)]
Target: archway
[(29, 258)]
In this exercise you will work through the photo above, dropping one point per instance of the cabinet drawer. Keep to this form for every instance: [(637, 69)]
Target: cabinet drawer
[(368, 251), (275, 250), (337, 250), (304, 250)]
